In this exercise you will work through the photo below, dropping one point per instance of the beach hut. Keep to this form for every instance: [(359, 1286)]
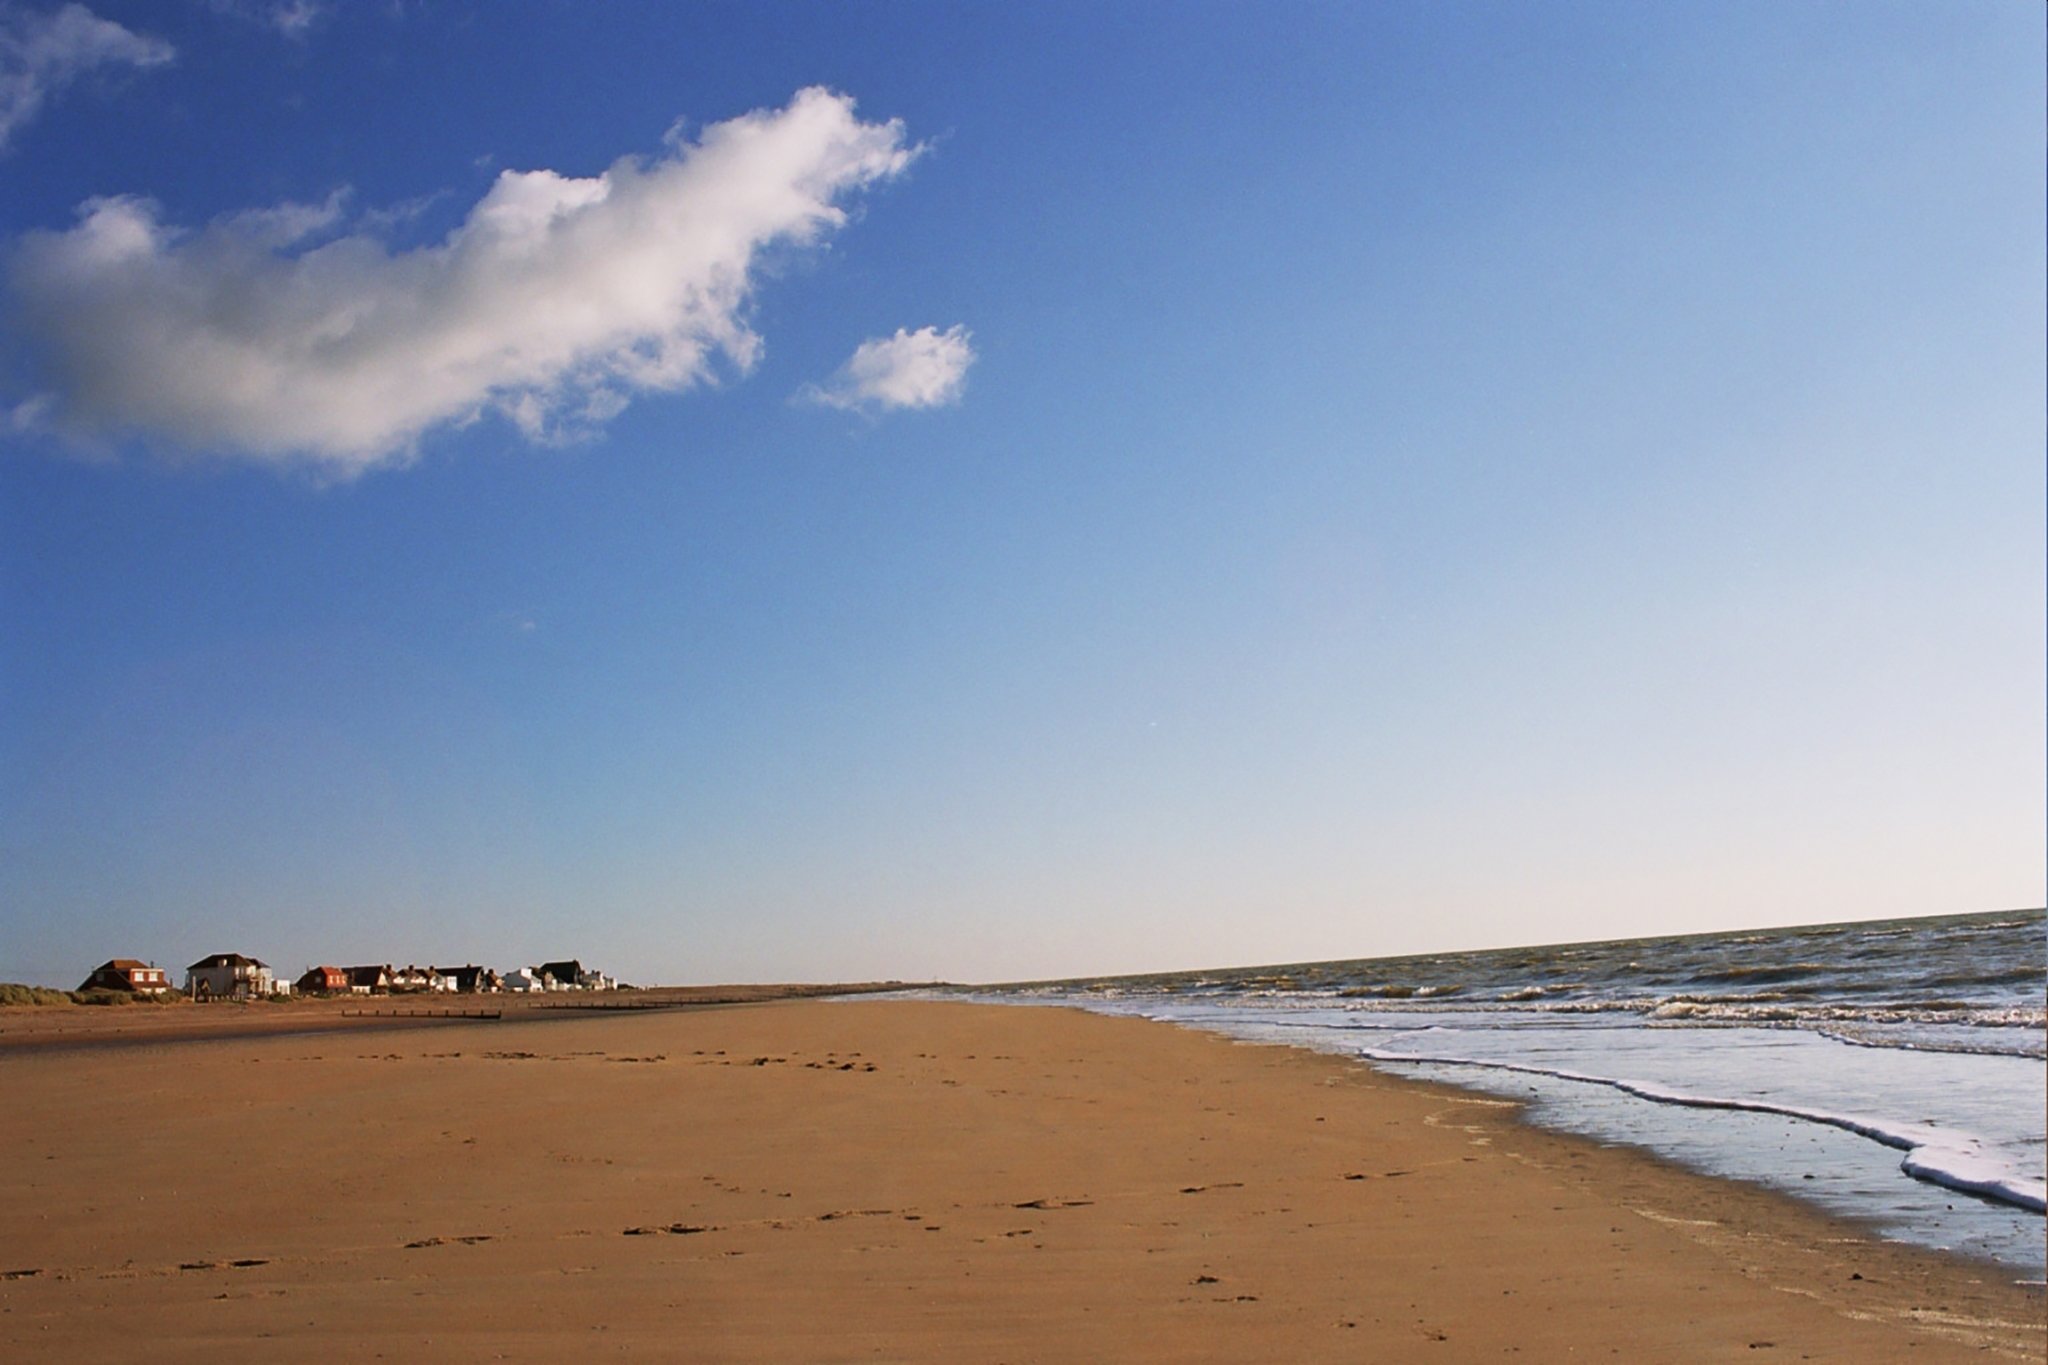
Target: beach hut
[(126, 974), (229, 976)]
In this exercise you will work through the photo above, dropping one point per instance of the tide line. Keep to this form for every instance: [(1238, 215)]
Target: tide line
[(1955, 1161)]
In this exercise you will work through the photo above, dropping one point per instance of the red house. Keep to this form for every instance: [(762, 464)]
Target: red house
[(324, 981), (126, 974)]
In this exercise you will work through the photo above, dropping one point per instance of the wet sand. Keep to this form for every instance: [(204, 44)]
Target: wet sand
[(824, 1181)]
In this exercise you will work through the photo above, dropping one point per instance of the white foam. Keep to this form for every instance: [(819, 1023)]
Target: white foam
[(1955, 1160)]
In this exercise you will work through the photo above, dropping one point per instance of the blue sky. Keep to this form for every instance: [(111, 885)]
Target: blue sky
[(1082, 489)]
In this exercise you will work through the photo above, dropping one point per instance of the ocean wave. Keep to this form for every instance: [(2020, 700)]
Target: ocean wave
[(1955, 1160), (1762, 1007), (1771, 1007), (1397, 991), (2032, 1049), (2011, 976), (1769, 976), (1740, 1012)]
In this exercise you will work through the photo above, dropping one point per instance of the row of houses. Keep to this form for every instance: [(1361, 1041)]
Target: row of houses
[(567, 975), (233, 976)]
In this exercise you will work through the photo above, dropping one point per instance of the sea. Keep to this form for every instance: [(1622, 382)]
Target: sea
[(1892, 1071)]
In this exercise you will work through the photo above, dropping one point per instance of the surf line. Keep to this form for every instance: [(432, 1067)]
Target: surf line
[(1954, 1161)]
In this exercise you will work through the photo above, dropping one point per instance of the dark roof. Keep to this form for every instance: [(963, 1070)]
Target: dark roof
[(114, 974), (367, 976), (225, 960), (569, 970)]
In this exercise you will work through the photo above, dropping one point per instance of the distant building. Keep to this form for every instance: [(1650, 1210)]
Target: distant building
[(559, 976), (126, 974), (324, 981), (524, 979), (371, 980), (572, 975), (230, 976), (413, 979), (470, 980)]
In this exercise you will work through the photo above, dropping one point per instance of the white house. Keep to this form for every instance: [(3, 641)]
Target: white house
[(571, 975), (230, 976), (524, 979), (412, 978)]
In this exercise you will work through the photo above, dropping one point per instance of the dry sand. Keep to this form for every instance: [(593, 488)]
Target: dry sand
[(816, 1181), (41, 1027)]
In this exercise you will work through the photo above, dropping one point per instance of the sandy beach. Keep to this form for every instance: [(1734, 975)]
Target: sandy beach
[(809, 1180)]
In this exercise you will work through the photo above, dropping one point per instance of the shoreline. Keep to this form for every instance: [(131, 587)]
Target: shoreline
[(1404, 1070), (823, 1180)]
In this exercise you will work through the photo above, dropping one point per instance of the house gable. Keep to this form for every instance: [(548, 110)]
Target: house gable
[(127, 974)]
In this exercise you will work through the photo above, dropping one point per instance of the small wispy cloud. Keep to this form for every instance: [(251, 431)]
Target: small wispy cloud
[(515, 623), (392, 217), (292, 18), (40, 54), (922, 369), (555, 301)]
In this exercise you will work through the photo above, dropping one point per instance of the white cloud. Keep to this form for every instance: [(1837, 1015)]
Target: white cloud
[(40, 54), (922, 369), (292, 18), (551, 304)]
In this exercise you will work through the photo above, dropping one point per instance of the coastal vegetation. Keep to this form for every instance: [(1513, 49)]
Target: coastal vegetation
[(15, 993)]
